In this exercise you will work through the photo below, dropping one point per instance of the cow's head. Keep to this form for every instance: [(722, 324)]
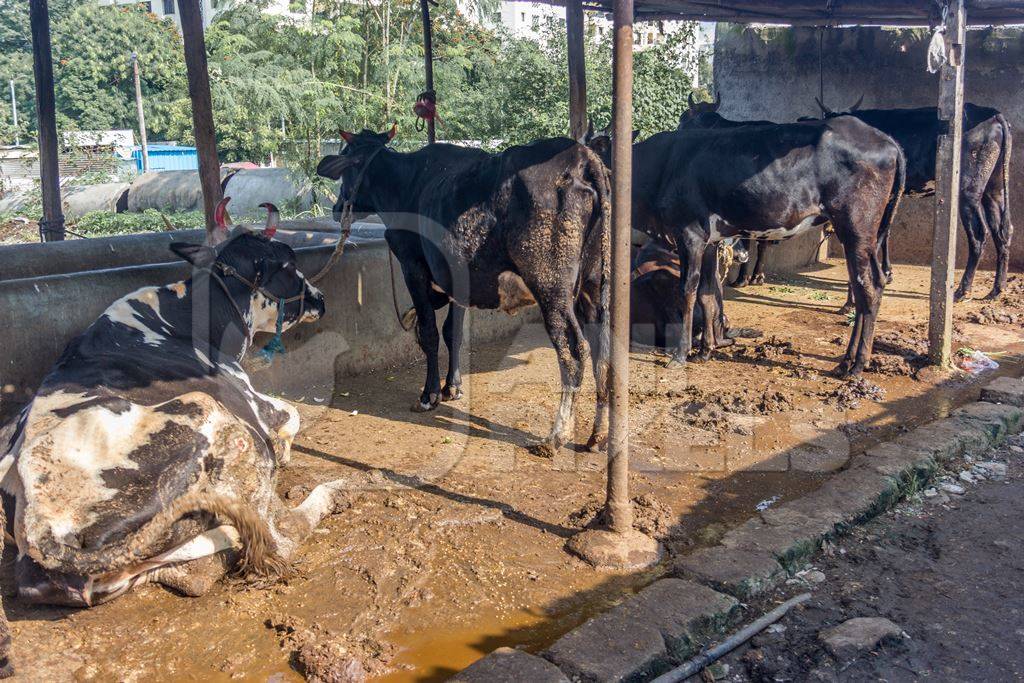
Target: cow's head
[(699, 111), (600, 142), (261, 275), (350, 166)]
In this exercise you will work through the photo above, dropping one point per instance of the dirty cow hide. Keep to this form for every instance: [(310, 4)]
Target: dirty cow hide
[(146, 454), (469, 228)]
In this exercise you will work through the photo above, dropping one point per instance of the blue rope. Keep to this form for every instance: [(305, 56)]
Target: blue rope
[(276, 344)]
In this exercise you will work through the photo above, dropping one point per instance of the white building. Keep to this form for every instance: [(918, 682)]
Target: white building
[(168, 9)]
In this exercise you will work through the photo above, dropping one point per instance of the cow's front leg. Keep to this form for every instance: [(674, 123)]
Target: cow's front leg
[(285, 434), (758, 276), (453, 331), (690, 248)]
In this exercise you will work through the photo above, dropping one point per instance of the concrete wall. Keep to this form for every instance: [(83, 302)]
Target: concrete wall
[(359, 332), (772, 73)]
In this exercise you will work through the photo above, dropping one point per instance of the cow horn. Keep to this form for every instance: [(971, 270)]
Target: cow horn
[(857, 104), (347, 137), (221, 219), (824, 110), (393, 131), (273, 218), (689, 98)]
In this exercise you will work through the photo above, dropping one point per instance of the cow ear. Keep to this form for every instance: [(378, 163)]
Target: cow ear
[(199, 255), (393, 131), (347, 137), (330, 166)]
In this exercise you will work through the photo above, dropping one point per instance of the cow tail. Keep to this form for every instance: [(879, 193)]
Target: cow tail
[(1005, 226), (258, 554), (896, 194), (597, 247)]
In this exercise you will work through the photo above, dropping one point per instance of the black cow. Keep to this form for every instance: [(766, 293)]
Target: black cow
[(705, 115), (699, 186), (655, 305), (984, 174), (529, 225)]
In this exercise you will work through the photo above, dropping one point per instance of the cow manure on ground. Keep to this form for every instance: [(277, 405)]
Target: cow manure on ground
[(848, 395), (995, 315), (650, 516), (324, 657)]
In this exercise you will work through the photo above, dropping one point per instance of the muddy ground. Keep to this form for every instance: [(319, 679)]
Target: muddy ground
[(946, 569), (459, 549)]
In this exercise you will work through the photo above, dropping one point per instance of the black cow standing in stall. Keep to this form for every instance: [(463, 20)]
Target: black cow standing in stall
[(705, 115), (529, 225), (984, 174), (694, 187)]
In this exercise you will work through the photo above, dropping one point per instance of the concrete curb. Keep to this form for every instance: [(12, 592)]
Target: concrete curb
[(671, 619)]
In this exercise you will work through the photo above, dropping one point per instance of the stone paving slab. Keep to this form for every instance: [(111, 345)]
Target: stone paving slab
[(899, 462), (1009, 390), (1002, 417), (645, 635), (741, 572), (507, 665)]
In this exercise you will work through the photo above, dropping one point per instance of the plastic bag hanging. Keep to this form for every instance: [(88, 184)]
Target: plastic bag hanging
[(937, 50)]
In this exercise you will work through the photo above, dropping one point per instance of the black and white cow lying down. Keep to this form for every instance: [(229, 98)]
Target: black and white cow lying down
[(146, 452), (526, 226)]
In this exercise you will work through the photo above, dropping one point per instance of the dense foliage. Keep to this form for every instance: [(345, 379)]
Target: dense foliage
[(282, 86)]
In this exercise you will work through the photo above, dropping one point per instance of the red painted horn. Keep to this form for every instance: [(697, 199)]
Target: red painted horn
[(221, 219), (273, 218)]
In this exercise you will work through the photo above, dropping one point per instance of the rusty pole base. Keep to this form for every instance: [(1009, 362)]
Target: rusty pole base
[(606, 549)]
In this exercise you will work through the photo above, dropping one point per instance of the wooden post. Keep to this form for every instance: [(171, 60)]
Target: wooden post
[(191, 16), (575, 32), (428, 60), (143, 144), (947, 188), (51, 227)]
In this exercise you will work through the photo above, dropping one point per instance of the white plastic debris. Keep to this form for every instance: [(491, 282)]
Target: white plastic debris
[(766, 503), (975, 362), (937, 50), (950, 487)]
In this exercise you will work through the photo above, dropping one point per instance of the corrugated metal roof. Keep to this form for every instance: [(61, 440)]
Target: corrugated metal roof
[(820, 12)]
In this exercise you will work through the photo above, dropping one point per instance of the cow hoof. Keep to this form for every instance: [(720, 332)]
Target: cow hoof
[(757, 280), (740, 284), (961, 294), (888, 278), (544, 449), (675, 362), (425, 407), (993, 295), (597, 442), (6, 668), (451, 393), (844, 309)]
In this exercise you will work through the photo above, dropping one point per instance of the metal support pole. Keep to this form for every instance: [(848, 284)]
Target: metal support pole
[(575, 31), (619, 546), (141, 114), (191, 17), (947, 188), (428, 60), (51, 227), (14, 115), (620, 511)]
